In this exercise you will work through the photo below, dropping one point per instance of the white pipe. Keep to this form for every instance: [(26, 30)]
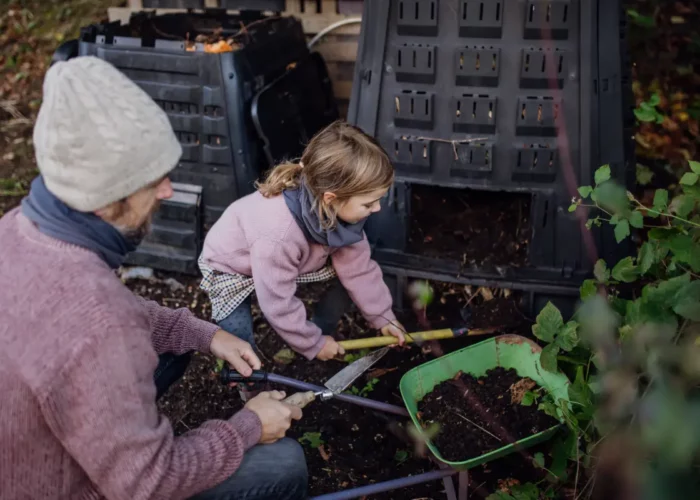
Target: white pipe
[(328, 29)]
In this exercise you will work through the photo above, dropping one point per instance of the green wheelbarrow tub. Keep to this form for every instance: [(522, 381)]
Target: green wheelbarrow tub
[(507, 351)]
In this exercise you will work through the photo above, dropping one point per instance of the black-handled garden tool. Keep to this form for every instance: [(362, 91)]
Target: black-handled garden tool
[(333, 388)]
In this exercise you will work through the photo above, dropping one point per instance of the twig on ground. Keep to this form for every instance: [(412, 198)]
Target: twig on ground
[(477, 425), (11, 109), (590, 482)]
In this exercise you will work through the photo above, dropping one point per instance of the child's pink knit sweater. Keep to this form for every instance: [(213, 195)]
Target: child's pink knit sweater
[(258, 237)]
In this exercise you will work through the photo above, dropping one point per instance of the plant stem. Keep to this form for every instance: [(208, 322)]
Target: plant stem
[(578, 465), (651, 210), (571, 360), (476, 425), (596, 206)]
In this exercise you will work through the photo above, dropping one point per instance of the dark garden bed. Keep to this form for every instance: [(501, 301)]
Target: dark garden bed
[(347, 446)]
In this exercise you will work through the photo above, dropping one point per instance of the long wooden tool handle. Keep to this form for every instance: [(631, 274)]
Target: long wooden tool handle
[(447, 333), (300, 399)]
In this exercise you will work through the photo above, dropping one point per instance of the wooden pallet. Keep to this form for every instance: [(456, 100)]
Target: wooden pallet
[(339, 48)]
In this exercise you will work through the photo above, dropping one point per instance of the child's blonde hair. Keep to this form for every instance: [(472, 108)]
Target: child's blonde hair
[(340, 159)]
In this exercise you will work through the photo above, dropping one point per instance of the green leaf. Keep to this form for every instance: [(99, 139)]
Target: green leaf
[(618, 305), (645, 114), (401, 456), (528, 398), (625, 270), (548, 323), (573, 207), (579, 392), (688, 301), (313, 439), (654, 100), (622, 231), (661, 234), (695, 166), (585, 191), (681, 246), (499, 495), (644, 175), (665, 292), (569, 417), (284, 356), (588, 289), (563, 449), (646, 258), (682, 205), (637, 219), (624, 332), (689, 178), (527, 491), (660, 200), (602, 174), (612, 197), (219, 365), (550, 409), (601, 271), (548, 358), (538, 460), (567, 338)]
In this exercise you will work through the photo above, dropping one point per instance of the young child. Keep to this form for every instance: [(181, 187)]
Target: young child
[(304, 224)]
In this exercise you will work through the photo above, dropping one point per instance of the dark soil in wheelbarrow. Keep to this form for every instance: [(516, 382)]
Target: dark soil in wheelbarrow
[(478, 415), (348, 446)]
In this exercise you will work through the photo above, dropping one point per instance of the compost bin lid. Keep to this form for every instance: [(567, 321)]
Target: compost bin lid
[(273, 5)]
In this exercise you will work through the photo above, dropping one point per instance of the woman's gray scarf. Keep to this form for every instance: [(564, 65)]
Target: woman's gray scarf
[(300, 202)]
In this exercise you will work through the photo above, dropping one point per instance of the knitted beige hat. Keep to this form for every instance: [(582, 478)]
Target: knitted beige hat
[(99, 137)]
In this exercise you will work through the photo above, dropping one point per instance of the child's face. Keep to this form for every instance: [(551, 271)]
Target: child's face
[(361, 206)]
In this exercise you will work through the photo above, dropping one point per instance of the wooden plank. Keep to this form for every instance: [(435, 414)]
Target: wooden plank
[(341, 70), (312, 23), (333, 50), (120, 14), (343, 105), (310, 7), (342, 89)]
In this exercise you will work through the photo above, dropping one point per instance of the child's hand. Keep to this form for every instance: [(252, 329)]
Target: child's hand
[(330, 349), (394, 329)]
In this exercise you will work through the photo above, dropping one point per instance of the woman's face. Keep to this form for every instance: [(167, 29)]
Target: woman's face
[(362, 206)]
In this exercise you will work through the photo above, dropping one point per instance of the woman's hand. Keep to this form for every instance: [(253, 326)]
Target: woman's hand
[(394, 329), (237, 352), (330, 349)]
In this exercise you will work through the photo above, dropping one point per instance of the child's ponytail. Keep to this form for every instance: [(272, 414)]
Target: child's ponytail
[(340, 159), (283, 176)]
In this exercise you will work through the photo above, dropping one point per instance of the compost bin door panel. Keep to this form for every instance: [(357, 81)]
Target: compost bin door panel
[(288, 112)]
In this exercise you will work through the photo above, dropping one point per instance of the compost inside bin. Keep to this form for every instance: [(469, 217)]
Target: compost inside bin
[(475, 227), (217, 33), (476, 416)]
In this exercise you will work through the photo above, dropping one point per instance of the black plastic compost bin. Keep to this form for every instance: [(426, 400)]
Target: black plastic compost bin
[(236, 113), (513, 97)]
